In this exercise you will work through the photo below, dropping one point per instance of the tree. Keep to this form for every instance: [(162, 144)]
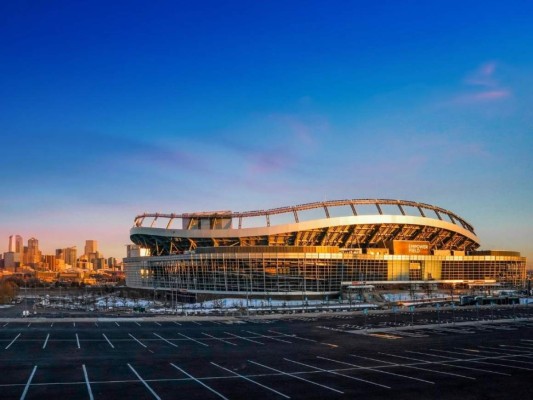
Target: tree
[(8, 291)]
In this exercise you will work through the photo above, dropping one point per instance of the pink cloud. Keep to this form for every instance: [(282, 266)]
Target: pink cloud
[(492, 95), (305, 130), (483, 97), (483, 76), (269, 161)]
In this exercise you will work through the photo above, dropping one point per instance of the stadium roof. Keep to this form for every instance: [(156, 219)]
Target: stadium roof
[(407, 220)]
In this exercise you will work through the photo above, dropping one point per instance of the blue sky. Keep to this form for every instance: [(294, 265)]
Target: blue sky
[(110, 109)]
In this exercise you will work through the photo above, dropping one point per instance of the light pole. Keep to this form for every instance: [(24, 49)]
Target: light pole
[(453, 312)]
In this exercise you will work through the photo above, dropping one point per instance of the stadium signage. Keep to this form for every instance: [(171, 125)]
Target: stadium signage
[(411, 247)]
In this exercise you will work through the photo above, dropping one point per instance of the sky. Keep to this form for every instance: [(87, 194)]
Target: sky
[(112, 109)]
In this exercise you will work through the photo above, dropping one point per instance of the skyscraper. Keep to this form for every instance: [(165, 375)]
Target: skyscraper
[(33, 254), (15, 244), (91, 246), (70, 255)]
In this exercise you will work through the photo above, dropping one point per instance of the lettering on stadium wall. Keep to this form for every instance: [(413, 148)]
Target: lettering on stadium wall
[(408, 247)]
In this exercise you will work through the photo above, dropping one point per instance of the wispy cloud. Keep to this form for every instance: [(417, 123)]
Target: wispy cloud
[(482, 97), (304, 131), (282, 143), (269, 161), (483, 76), (482, 86)]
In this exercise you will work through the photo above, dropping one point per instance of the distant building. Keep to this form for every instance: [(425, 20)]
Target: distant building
[(46, 276), (59, 265), (91, 246), (49, 262), (84, 264), (15, 244), (32, 255), (70, 255), (60, 254), (111, 262), (99, 263), (11, 261)]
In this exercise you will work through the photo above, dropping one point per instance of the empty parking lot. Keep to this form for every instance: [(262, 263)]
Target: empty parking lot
[(300, 357)]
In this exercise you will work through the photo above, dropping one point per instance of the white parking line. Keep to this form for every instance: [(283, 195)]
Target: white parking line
[(268, 337), (162, 338), (251, 380), (137, 323), (455, 360), (215, 322), (108, 341), (137, 340), (293, 336), (296, 377), (117, 323), (87, 382), (376, 370), (28, 384), (197, 323), (489, 358), (78, 340), (337, 373), (194, 340), (51, 325), (13, 341), (96, 323), (425, 369), (177, 323), (222, 340), (528, 349), (46, 340), (145, 383), (74, 324), (200, 382), (243, 338), (505, 356), (29, 324), (3, 326), (157, 323)]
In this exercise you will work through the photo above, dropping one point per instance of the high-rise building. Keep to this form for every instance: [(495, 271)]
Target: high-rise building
[(111, 262), (70, 255), (33, 254), (15, 244), (60, 254), (91, 246), (11, 261), (50, 262), (99, 263)]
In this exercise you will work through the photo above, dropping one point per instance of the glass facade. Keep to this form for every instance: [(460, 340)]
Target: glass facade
[(307, 270)]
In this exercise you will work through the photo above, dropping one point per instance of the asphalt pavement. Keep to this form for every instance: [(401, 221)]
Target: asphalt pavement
[(467, 354)]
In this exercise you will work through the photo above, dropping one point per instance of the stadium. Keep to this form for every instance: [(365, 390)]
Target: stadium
[(316, 250)]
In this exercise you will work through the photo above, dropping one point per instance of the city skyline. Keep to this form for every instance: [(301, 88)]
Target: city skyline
[(112, 110)]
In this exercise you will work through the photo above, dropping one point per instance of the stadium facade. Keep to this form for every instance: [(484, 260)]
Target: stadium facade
[(315, 249)]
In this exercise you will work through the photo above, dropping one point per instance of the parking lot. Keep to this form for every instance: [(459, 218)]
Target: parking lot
[(297, 357)]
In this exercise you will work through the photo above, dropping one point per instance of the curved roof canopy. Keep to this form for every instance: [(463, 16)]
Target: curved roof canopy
[(339, 223)]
